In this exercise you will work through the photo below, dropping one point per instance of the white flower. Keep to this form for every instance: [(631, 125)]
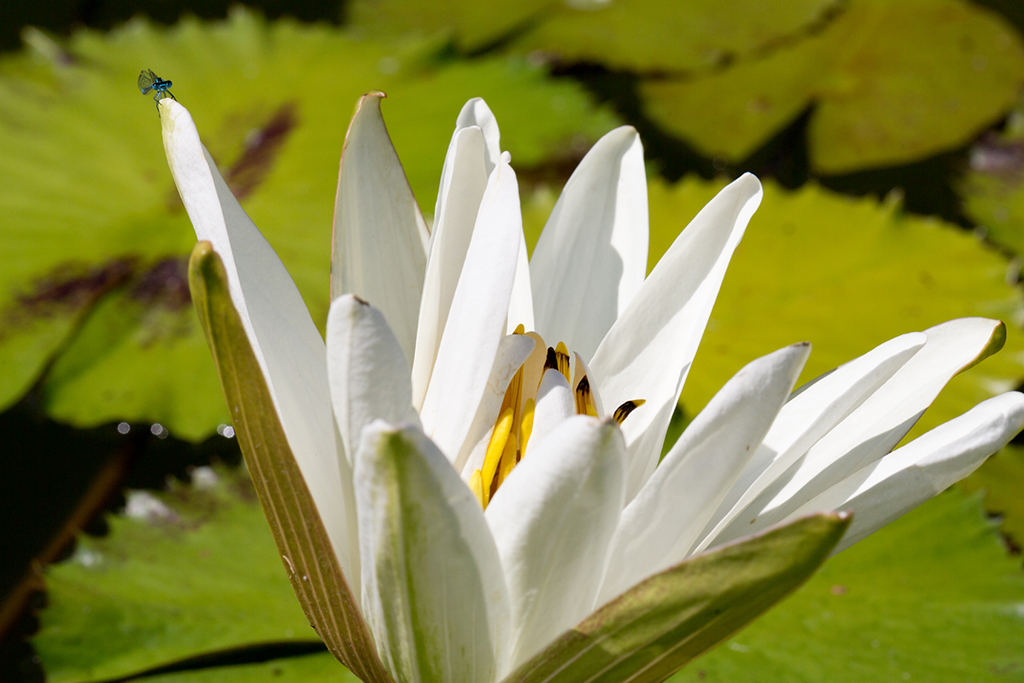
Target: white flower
[(478, 497)]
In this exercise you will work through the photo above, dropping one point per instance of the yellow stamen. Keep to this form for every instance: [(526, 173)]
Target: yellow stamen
[(623, 411), (476, 485), (495, 448), (526, 426), (562, 358), (508, 461), (520, 329), (584, 397)]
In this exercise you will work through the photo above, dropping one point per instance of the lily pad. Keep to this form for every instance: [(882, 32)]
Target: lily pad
[(890, 82), (933, 597), (666, 36), (626, 34), (933, 594), (93, 226), (322, 668), (1002, 479), (187, 572)]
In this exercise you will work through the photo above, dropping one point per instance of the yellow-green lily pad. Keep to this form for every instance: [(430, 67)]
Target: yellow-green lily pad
[(92, 223), (667, 36), (889, 82)]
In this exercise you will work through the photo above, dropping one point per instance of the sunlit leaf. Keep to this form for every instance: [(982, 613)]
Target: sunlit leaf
[(644, 36), (187, 572), (305, 669), (890, 83), (934, 597), (90, 210)]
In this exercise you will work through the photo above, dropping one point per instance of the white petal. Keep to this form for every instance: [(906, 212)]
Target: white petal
[(433, 592), (876, 426), (380, 238), (552, 520), (476, 322), (512, 353), (463, 182), (809, 414), (591, 259), (287, 344), (647, 352), (476, 113), (555, 404), (661, 524), (520, 308), (907, 477), (368, 374)]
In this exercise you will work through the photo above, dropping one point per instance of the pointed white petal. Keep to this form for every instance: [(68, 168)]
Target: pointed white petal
[(647, 352), (513, 351), (592, 256), (552, 520), (433, 591), (287, 344), (555, 404), (380, 239), (520, 308), (463, 182), (907, 477), (808, 415), (476, 113), (877, 425), (661, 524), (367, 371), (476, 321)]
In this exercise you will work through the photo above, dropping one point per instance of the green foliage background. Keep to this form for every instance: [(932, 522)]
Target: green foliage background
[(831, 97)]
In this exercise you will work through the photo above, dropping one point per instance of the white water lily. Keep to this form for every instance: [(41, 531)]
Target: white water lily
[(483, 493)]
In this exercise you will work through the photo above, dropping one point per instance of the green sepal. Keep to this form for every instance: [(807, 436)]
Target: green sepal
[(658, 626), (295, 523)]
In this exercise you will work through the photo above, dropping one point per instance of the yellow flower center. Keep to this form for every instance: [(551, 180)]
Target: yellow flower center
[(512, 430)]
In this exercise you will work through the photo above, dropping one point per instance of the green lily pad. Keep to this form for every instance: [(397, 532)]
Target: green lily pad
[(626, 34), (891, 83), (643, 36), (473, 25), (933, 594), (1002, 479), (184, 573), (92, 219), (321, 668), (933, 597)]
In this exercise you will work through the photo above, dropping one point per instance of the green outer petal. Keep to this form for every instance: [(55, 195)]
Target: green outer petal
[(434, 593), (299, 532), (664, 622)]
